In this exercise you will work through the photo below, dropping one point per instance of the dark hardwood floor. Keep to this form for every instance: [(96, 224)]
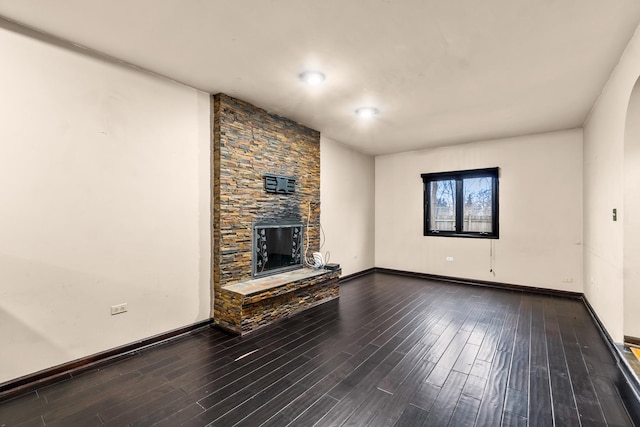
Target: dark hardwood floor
[(392, 351)]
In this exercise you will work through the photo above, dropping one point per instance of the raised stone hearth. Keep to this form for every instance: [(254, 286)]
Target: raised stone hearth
[(248, 144), (251, 304)]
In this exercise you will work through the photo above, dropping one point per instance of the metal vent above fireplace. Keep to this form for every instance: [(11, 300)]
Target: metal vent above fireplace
[(279, 184)]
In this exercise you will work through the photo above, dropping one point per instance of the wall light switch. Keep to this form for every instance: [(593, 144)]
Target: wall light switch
[(615, 214), (449, 258)]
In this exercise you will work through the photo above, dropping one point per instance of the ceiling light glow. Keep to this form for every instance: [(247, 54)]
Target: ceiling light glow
[(312, 78), (367, 112)]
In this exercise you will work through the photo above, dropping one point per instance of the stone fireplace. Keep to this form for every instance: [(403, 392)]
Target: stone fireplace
[(251, 145)]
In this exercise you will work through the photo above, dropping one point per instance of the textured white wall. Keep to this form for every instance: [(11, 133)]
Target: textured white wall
[(105, 192), (540, 212), (347, 205), (604, 190)]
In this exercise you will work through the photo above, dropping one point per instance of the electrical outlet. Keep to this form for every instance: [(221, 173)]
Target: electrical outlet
[(117, 309), (567, 279), (449, 259)]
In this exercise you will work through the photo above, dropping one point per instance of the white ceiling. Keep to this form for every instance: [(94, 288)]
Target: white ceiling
[(440, 71)]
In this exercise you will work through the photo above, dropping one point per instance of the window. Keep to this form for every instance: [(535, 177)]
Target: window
[(461, 203)]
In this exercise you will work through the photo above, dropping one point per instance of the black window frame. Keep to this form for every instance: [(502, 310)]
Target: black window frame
[(459, 176)]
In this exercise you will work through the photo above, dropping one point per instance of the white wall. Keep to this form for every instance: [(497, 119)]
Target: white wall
[(540, 199), (604, 190), (105, 199), (632, 216), (347, 205)]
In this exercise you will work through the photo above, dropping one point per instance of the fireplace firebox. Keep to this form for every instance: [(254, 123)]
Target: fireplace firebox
[(277, 247)]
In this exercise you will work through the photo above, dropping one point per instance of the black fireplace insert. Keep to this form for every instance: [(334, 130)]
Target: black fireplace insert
[(277, 247)]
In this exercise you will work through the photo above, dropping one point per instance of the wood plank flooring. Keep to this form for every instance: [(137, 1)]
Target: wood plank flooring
[(392, 351)]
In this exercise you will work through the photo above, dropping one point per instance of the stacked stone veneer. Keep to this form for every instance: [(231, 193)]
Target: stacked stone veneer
[(249, 142), (245, 310)]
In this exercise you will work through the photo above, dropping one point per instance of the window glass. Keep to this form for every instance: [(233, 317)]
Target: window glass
[(478, 204), (443, 209)]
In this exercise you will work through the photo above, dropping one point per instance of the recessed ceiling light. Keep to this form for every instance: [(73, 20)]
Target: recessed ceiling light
[(367, 112), (312, 78)]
